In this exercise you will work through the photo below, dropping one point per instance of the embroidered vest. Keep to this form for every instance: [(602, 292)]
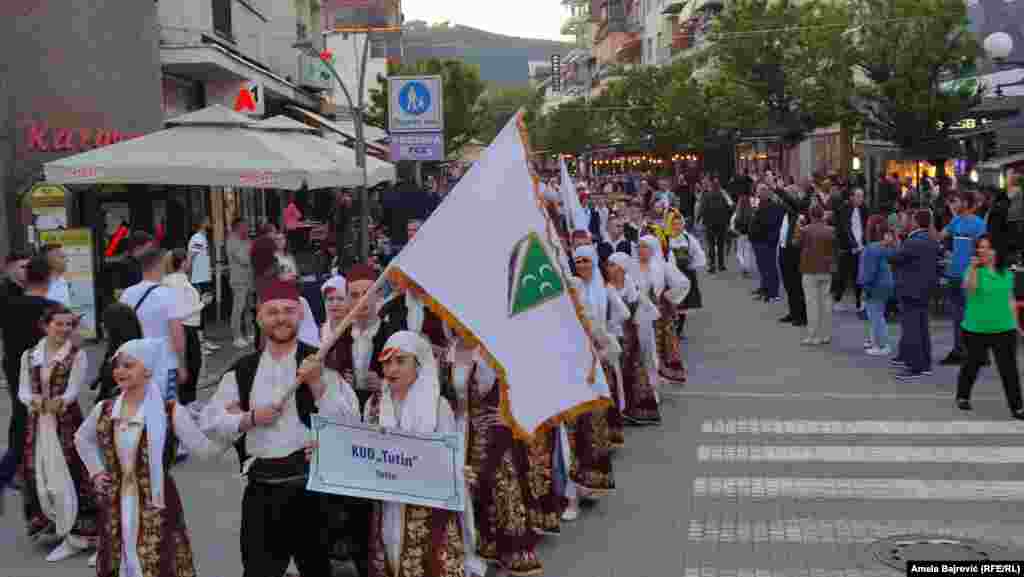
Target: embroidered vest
[(431, 538), (682, 255), (59, 376), (152, 522)]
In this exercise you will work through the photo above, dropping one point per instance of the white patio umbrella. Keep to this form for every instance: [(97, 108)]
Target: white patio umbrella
[(210, 147), (302, 135)]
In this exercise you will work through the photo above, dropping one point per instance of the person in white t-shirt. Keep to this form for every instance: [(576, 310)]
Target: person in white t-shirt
[(59, 290), (161, 311), (202, 273)]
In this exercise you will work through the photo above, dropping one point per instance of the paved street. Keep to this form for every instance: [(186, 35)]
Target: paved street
[(776, 460)]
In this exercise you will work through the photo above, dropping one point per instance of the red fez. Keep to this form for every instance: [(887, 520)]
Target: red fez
[(360, 272), (584, 234), (278, 290)]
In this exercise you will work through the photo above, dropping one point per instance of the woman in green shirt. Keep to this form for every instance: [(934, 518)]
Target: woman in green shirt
[(990, 323)]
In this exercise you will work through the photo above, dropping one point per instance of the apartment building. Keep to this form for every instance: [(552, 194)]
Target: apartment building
[(347, 25)]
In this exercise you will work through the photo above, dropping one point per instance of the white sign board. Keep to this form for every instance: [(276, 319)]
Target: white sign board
[(416, 104), (362, 461)]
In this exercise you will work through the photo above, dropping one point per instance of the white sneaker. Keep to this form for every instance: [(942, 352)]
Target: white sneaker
[(241, 343), (92, 559), (879, 352), (868, 344), (63, 551), (211, 346), (571, 514), (808, 341)]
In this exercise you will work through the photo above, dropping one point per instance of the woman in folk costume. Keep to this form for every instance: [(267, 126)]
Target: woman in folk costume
[(685, 251), (667, 287), (497, 467), (127, 444), (639, 361), (59, 501), (336, 304), (605, 310), (412, 540)]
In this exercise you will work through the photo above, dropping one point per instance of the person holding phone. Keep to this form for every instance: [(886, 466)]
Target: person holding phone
[(990, 323)]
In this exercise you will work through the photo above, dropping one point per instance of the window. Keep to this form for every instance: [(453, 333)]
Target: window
[(222, 18), (378, 49)]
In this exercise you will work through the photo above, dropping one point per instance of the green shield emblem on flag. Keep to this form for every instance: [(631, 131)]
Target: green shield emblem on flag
[(533, 276)]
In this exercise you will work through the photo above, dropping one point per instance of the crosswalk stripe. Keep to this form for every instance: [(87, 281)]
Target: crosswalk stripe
[(708, 571), (755, 426), (856, 488), (743, 453), (838, 531)]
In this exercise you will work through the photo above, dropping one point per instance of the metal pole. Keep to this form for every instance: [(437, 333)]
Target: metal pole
[(364, 201)]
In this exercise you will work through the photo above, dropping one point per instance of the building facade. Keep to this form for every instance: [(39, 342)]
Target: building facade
[(87, 75)]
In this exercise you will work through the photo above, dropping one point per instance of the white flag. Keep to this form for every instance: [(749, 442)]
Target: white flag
[(485, 261)]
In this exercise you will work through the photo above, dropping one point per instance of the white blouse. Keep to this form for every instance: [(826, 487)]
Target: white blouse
[(78, 369), (189, 295), (129, 433)]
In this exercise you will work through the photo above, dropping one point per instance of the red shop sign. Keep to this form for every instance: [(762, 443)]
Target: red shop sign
[(39, 137)]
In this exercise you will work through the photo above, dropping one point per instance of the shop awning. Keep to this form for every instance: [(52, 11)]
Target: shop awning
[(211, 147), (1002, 162), (348, 130), (377, 171)]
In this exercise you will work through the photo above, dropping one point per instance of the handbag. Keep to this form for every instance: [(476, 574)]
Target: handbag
[(54, 486)]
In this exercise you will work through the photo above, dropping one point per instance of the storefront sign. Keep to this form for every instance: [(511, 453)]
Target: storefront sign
[(245, 96), (416, 104), (428, 146), (361, 461), (40, 137), (48, 206), (78, 247)]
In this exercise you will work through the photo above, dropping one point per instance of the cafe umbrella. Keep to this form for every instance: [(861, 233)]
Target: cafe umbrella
[(210, 147)]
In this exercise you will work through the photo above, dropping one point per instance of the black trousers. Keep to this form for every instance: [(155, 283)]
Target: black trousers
[(846, 277), (792, 280), (16, 428), (281, 522), (1004, 349), (717, 237), (194, 364)]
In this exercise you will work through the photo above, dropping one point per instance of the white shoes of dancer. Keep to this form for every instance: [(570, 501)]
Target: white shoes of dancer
[(92, 559), (63, 551)]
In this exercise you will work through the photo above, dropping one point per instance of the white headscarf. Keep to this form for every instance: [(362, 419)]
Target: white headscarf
[(336, 282), (655, 275), (596, 292), (419, 410), (626, 263), (148, 352)]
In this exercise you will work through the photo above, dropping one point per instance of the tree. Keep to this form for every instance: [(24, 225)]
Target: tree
[(462, 89), (906, 51), (789, 57), (571, 128), (498, 105)]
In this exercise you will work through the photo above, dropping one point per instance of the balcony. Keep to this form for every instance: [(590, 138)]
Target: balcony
[(314, 74)]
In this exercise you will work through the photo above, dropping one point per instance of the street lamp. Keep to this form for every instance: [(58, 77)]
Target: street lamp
[(356, 108)]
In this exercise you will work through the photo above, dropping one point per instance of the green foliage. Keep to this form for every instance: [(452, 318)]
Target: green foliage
[(799, 76), (462, 89), (570, 128), (498, 105), (906, 51)]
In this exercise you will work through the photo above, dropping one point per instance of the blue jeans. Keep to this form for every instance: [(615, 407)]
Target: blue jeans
[(172, 385), (957, 304), (879, 328)]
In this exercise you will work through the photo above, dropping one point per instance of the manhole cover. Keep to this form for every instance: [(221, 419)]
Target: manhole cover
[(897, 550)]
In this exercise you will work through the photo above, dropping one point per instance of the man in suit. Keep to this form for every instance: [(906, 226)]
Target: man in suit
[(764, 235), (916, 264), (851, 219), (796, 206), (616, 242)]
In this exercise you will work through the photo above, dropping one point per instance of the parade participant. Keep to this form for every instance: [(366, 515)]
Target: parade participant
[(412, 539), (335, 296), (127, 445), (497, 468), (406, 311), (688, 257), (355, 353), (309, 333), (281, 520), (59, 501), (604, 310), (639, 400), (667, 288)]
